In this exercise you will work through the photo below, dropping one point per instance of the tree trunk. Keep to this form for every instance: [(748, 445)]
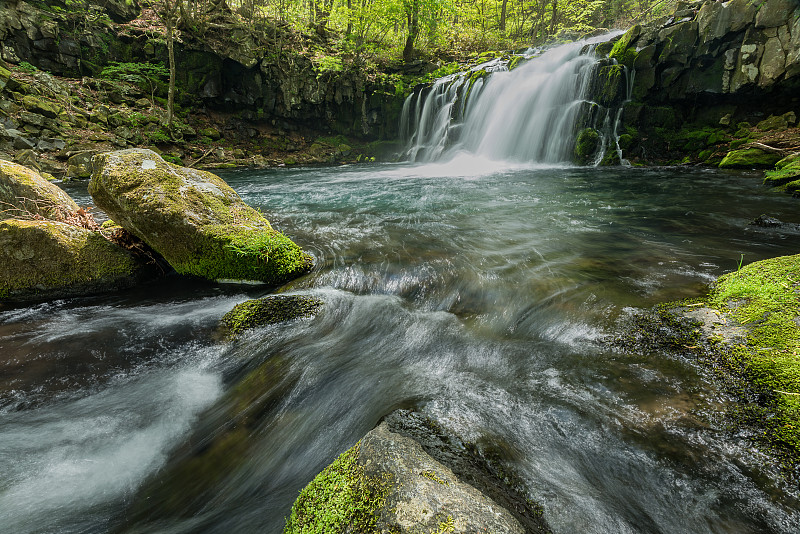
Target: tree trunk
[(412, 15), (171, 51), (503, 16)]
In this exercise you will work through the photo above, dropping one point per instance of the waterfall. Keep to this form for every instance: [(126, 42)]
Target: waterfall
[(525, 114)]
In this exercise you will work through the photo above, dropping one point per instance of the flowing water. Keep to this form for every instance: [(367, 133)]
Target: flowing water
[(478, 294)]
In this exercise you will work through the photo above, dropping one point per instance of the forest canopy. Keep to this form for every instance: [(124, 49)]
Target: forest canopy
[(390, 30)]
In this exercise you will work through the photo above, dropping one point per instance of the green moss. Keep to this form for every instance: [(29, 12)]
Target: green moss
[(339, 499), (612, 85), (194, 219), (44, 258), (749, 158), (586, 146), (269, 310), (623, 51), (765, 297)]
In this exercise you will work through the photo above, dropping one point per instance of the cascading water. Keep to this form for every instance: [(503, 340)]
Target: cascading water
[(528, 114)]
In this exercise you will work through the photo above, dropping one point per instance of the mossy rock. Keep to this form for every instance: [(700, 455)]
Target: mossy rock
[(193, 219), (390, 482), (41, 106), (269, 310), (749, 158), (764, 297), (48, 259), (24, 193), (624, 51), (586, 146), (211, 133), (611, 86)]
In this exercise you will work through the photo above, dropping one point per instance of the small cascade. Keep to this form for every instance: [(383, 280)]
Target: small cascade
[(528, 109)]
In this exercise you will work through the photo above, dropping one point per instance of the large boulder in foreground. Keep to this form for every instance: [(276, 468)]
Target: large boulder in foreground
[(24, 193), (193, 219), (389, 482), (49, 259)]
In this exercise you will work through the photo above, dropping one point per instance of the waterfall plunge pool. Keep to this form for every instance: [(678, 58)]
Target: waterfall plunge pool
[(480, 298)]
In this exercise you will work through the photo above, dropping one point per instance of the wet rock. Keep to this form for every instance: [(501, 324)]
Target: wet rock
[(765, 221), (48, 259), (23, 190), (396, 485), (269, 310), (193, 219)]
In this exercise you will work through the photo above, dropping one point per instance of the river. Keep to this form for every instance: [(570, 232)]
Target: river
[(479, 294)]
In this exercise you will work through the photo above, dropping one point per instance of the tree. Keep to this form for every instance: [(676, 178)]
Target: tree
[(168, 11)]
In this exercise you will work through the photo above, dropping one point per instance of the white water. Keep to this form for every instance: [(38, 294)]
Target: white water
[(524, 115)]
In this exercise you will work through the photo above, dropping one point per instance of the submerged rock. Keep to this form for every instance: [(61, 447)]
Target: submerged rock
[(390, 482), (268, 310), (193, 219), (49, 259), (23, 191)]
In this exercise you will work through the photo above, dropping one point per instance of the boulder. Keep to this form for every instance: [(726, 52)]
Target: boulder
[(49, 259), (40, 106), (269, 310), (119, 10), (389, 483), (749, 158), (193, 219), (24, 191), (79, 165)]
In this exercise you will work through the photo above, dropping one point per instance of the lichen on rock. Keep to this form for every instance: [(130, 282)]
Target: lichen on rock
[(193, 219), (24, 193), (48, 259)]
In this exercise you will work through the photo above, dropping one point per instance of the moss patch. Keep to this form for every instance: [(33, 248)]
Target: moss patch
[(764, 297), (269, 310), (586, 146), (340, 499), (46, 259), (194, 219), (749, 158)]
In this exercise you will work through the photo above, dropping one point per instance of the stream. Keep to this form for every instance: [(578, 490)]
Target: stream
[(480, 294)]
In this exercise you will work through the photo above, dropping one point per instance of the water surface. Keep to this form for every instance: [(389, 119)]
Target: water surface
[(478, 293)]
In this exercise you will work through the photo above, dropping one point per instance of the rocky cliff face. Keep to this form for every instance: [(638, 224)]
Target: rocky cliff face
[(719, 66), (228, 68)]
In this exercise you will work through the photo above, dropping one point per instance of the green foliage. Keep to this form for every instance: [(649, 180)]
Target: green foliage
[(142, 75), (24, 66)]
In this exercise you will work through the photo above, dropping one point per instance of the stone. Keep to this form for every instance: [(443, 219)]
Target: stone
[(773, 123), (33, 119), (586, 146), (266, 311), (679, 42), (50, 144), (713, 21), (193, 219), (79, 165), (773, 62), (749, 158), (743, 13), (41, 106), (772, 13), (24, 191), (49, 259), (211, 133), (28, 158), (405, 490)]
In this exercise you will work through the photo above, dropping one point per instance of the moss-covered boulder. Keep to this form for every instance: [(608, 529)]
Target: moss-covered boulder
[(586, 146), (49, 259), (268, 310), (786, 171), (389, 482), (193, 219), (749, 158), (23, 192)]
